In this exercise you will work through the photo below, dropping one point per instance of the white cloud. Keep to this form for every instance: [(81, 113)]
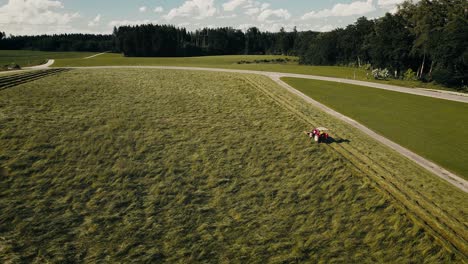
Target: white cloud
[(252, 11), (143, 9), (343, 10), (391, 3), (275, 27), (227, 16), (35, 16), (198, 9), (233, 4), (255, 8), (270, 15), (326, 28), (251, 3), (265, 6), (95, 21), (244, 27), (185, 24), (159, 9)]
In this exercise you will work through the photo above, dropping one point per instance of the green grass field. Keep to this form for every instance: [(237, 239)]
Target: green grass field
[(26, 58), (113, 59), (230, 62), (433, 128), (176, 166)]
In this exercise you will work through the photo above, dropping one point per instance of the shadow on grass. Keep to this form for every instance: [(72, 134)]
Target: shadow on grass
[(332, 140)]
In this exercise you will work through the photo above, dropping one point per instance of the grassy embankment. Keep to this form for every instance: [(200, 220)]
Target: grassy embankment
[(435, 129), (150, 165), (230, 62), (26, 58)]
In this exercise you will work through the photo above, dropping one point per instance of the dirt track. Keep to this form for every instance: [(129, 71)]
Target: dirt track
[(430, 166), (95, 55)]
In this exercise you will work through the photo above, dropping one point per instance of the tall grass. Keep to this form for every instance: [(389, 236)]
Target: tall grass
[(153, 166)]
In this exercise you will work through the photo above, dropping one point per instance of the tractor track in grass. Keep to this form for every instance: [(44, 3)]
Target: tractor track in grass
[(448, 230), (435, 169), (432, 167), (17, 79), (442, 173)]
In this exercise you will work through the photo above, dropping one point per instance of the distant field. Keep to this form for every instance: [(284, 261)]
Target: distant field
[(231, 62), (433, 128), (178, 166), (118, 59), (26, 58)]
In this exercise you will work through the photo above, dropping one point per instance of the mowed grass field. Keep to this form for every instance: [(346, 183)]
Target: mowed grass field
[(178, 166), (26, 58), (435, 129), (231, 62)]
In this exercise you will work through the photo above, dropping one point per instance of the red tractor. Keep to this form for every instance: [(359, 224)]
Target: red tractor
[(319, 134)]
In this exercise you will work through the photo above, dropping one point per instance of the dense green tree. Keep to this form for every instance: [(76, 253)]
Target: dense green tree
[(450, 57), (351, 42), (302, 43), (323, 50), (439, 27), (62, 42), (253, 40), (428, 36), (389, 45)]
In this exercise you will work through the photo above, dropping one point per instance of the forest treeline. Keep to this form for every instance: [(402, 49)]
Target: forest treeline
[(427, 40), (61, 42), (169, 41)]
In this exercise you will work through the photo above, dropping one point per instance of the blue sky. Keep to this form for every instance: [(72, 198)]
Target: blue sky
[(100, 16)]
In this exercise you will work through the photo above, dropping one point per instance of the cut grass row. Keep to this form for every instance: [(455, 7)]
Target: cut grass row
[(153, 165), (435, 129), (231, 62), (8, 81), (443, 225), (26, 58)]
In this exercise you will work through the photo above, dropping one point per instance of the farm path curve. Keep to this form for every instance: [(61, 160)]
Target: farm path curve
[(95, 55), (32, 68), (42, 66), (446, 175)]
